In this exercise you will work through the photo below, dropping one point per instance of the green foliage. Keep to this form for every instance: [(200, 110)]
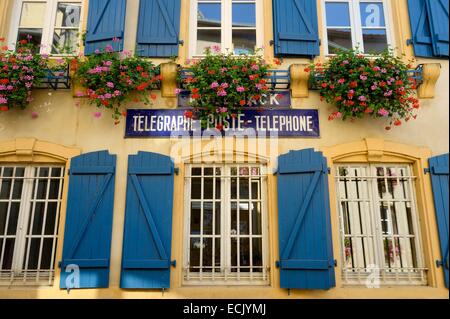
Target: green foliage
[(20, 71), (361, 86), (223, 84), (111, 78)]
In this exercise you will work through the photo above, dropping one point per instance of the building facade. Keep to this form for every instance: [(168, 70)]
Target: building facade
[(88, 211)]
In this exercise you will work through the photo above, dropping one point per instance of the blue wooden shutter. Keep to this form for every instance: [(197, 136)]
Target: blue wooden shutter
[(306, 252), (106, 21), (429, 27), (87, 235), (148, 222), (158, 28), (296, 28), (439, 180), (438, 15)]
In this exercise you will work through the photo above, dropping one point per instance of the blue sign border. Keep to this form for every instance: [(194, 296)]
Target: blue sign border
[(157, 123)]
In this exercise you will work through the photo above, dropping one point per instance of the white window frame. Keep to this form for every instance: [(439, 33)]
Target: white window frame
[(226, 26), (20, 275), (355, 23), (373, 234), (48, 27), (226, 277)]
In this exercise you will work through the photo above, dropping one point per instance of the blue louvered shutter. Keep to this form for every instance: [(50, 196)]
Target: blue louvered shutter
[(158, 28), (438, 15), (439, 179), (305, 243), (296, 28), (88, 229), (429, 27), (148, 222), (106, 21)]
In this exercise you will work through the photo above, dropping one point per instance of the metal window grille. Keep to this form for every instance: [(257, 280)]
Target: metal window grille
[(379, 225), (226, 240), (30, 199)]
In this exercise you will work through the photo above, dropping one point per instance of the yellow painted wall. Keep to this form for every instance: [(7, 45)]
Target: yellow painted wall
[(62, 121)]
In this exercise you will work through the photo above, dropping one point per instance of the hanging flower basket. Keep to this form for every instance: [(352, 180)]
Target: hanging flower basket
[(358, 85), (221, 85), (111, 79), (20, 71)]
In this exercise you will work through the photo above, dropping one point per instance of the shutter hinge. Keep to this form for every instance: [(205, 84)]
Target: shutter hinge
[(275, 172), (173, 263), (59, 264), (271, 42), (426, 170), (441, 263), (176, 171), (329, 170), (335, 263), (409, 41), (278, 264), (181, 42), (320, 42)]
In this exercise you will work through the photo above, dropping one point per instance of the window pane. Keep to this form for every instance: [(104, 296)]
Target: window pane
[(196, 188), (244, 41), (3, 213), (207, 218), (38, 218), (13, 218), (339, 39), (8, 253), (46, 258), (65, 41), (337, 14), (194, 254), (209, 15), (256, 219), (243, 188), (208, 188), (244, 254), (217, 223), (68, 15), (195, 218), (50, 219), (244, 225), (33, 15), (244, 15), (257, 253), (207, 254), (375, 41), (372, 14), (33, 256), (206, 39), (36, 36)]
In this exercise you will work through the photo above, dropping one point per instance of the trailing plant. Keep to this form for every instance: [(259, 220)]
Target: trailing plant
[(20, 71), (359, 86), (112, 79), (222, 84)]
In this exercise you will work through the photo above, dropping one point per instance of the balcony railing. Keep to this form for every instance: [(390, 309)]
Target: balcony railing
[(416, 74), (56, 79), (276, 79)]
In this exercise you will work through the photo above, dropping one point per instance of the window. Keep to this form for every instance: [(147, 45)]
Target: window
[(232, 25), (52, 24), (355, 24), (30, 198), (379, 225), (226, 235)]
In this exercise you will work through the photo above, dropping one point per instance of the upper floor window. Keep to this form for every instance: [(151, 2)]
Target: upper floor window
[(233, 25), (52, 24), (30, 200), (357, 24), (379, 226)]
